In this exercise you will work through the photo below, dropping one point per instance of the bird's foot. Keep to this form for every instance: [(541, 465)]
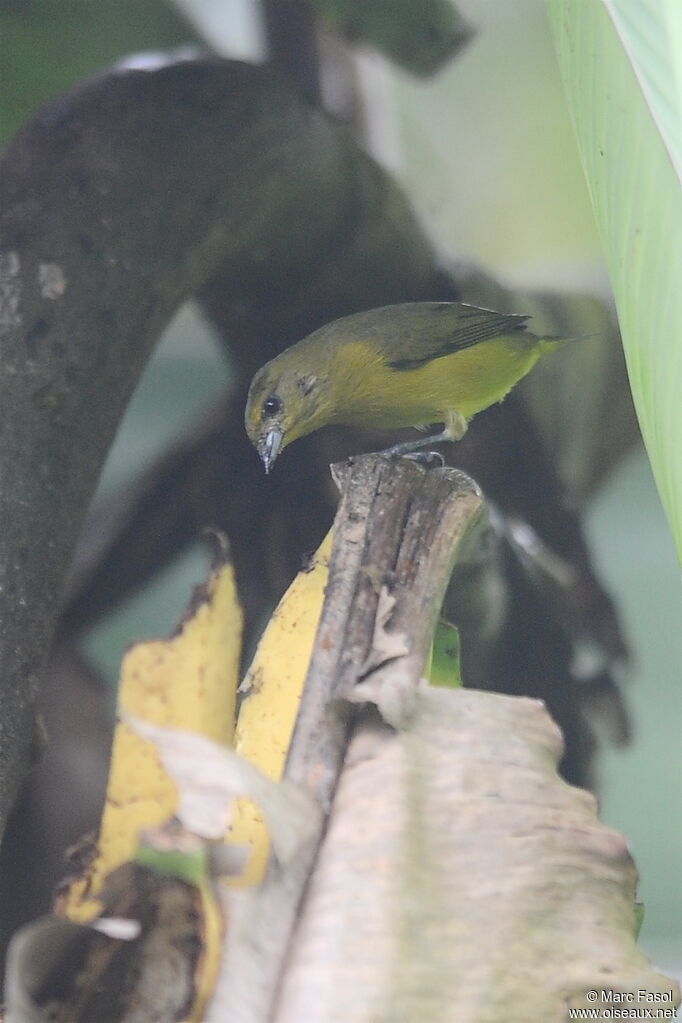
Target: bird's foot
[(428, 459)]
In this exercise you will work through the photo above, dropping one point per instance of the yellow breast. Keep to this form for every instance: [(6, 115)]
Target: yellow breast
[(375, 395)]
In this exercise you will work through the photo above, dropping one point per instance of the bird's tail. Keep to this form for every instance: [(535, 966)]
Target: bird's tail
[(549, 344)]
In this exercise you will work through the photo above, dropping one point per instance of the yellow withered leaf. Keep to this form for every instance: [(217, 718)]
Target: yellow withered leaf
[(272, 691), (188, 681)]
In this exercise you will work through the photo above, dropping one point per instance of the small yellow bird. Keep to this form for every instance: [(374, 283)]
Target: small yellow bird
[(400, 365)]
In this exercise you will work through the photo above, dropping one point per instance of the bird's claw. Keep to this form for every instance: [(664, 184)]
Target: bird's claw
[(428, 459)]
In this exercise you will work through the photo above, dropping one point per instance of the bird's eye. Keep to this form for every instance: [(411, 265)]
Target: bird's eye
[(272, 405)]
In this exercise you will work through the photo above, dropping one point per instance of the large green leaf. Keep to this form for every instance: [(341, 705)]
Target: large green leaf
[(621, 62)]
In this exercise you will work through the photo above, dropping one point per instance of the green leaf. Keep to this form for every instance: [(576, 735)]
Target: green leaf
[(445, 667), (621, 63), (189, 863), (651, 34)]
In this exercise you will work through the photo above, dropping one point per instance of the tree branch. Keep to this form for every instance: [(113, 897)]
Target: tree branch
[(117, 202)]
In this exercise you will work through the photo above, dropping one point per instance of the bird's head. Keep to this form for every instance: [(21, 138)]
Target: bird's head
[(284, 403)]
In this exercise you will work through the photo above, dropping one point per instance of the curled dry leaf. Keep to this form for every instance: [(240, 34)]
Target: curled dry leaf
[(394, 696), (386, 645), (461, 879), (210, 777)]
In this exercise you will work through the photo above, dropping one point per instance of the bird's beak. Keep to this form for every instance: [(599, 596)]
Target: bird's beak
[(268, 447)]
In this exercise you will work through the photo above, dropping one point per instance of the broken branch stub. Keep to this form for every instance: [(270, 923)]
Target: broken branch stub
[(397, 534)]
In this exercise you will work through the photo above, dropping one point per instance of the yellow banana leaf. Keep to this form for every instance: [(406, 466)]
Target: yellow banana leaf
[(188, 681)]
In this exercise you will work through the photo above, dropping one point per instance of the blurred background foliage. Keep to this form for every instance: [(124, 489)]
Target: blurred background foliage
[(485, 150)]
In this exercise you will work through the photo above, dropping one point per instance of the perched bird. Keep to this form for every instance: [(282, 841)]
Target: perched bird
[(400, 365)]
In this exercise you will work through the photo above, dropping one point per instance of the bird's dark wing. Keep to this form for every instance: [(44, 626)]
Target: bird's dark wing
[(453, 328)]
